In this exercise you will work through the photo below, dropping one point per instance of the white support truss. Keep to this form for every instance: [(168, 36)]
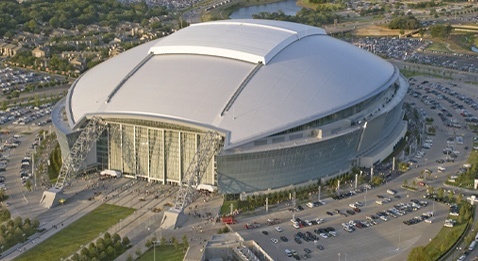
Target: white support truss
[(208, 147), (82, 146)]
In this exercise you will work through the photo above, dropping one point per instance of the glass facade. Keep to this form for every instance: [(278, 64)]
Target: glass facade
[(154, 151), (256, 171)]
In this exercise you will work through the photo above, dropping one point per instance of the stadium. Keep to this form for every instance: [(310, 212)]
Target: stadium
[(290, 103)]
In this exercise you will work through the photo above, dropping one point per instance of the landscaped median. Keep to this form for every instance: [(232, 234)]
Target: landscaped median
[(446, 238), (80, 233)]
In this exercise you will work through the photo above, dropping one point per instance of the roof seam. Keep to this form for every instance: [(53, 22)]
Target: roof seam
[(123, 81), (241, 87)]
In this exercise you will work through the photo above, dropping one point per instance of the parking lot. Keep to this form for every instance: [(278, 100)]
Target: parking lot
[(390, 239)]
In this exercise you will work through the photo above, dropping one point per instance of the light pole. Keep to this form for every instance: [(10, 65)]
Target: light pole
[(365, 198), (154, 250), (33, 166), (24, 238), (399, 230)]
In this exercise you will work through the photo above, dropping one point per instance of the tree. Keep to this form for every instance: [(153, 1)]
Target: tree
[(163, 241), (75, 257), (92, 249), (138, 252), (126, 242), (115, 238), (174, 241), (440, 193), (185, 242), (404, 22), (148, 243), (84, 252), (28, 185)]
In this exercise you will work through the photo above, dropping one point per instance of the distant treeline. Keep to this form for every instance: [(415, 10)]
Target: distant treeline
[(404, 22), (304, 16), (35, 15), (424, 4)]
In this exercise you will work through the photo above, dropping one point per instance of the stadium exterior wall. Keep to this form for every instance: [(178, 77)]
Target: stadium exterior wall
[(260, 171)]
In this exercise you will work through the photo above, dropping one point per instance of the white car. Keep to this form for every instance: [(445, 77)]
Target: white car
[(324, 235), (441, 169), (296, 225), (278, 229), (274, 240), (391, 192)]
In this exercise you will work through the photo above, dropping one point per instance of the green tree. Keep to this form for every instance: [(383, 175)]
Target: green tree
[(440, 193), (148, 243), (185, 242), (404, 22), (126, 243), (138, 252)]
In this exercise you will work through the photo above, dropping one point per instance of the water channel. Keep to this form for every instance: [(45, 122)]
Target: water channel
[(288, 7)]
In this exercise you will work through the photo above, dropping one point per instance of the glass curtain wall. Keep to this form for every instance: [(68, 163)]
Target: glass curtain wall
[(150, 152)]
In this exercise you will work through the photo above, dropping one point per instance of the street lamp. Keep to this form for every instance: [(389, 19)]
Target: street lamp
[(154, 250), (23, 237)]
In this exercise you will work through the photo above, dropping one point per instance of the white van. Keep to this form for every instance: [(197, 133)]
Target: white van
[(472, 246), (111, 173)]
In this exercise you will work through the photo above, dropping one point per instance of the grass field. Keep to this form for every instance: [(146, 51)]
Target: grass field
[(444, 240), (81, 232), (163, 253), (439, 47)]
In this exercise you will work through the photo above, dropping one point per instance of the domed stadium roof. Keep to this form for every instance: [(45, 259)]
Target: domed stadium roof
[(247, 78)]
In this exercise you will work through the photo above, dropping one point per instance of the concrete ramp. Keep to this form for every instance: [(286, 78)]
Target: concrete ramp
[(173, 219), (49, 197)]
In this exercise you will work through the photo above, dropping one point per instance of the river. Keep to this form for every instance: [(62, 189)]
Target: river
[(288, 7)]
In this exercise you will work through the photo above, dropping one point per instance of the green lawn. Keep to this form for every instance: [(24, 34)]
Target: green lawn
[(439, 47), (163, 253), (80, 232), (444, 240)]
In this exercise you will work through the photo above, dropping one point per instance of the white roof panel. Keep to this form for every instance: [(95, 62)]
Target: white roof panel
[(313, 76), (235, 39)]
